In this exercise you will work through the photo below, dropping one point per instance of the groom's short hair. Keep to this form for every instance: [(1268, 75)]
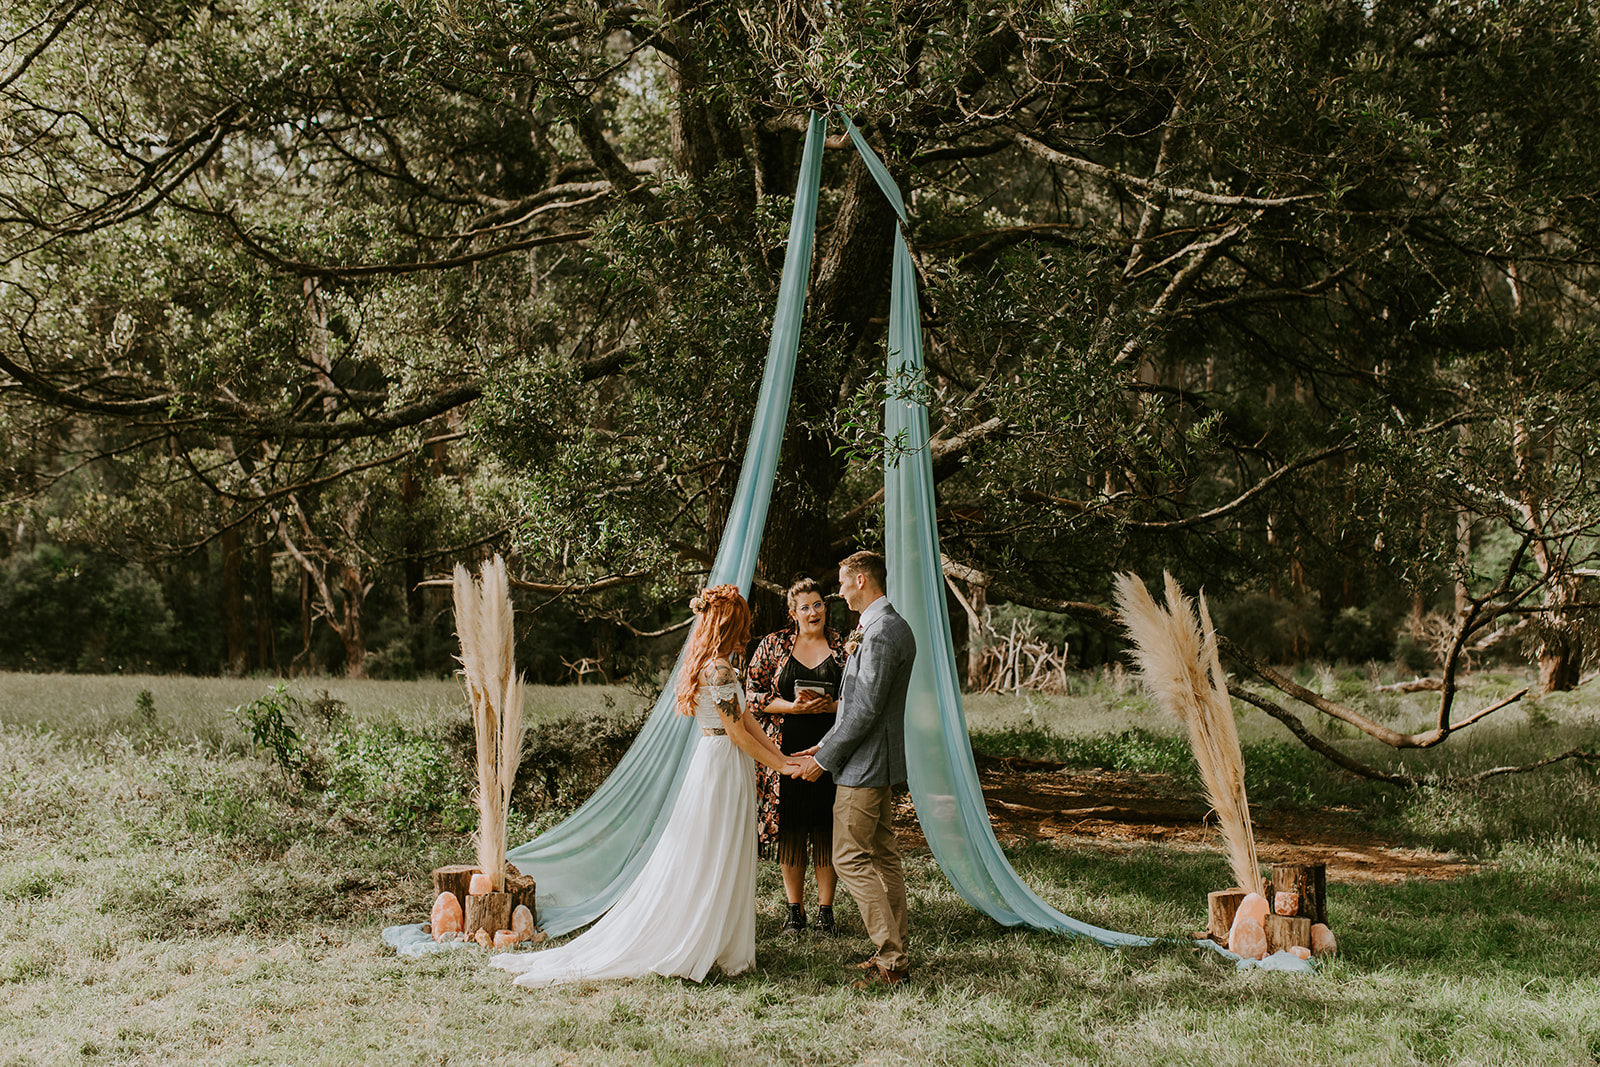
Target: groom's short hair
[(869, 563)]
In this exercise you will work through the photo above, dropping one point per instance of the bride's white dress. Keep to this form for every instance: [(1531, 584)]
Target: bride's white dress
[(694, 902)]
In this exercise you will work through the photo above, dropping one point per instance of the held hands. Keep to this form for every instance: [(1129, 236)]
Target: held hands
[(804, 767)]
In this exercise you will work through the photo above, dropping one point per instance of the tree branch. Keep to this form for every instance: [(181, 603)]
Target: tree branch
[(1348, 445), (1317, 744), (1149, 186)]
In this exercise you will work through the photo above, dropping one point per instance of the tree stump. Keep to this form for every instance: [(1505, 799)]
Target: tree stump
[(521, 888), (454, 879), (492, 912), (1286, 931), (1221, 907), (1310, 882)]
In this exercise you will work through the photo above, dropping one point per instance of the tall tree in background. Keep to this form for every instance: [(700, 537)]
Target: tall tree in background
[(1211, 288)]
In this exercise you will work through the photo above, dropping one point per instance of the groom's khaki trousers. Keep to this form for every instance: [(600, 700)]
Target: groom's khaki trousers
[(867, 861)]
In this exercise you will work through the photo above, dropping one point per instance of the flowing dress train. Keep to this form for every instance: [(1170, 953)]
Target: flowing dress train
[(693, 904)]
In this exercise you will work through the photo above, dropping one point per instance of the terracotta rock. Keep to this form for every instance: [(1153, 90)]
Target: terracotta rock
[(1249, 939), (1301, 951), (481, 883), (1323, 943), (482, 937), (502, 938), (446, 918), (1253, 908), (1286, 903), (522, 923)]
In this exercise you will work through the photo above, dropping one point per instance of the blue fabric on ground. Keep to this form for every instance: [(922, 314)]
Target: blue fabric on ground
[(409, 940), (943, 776)]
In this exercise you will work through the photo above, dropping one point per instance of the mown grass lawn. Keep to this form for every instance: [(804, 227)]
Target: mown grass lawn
[(171, 896)]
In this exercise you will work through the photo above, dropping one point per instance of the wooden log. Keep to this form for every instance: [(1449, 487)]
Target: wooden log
[(1286, 931), (521, 888), (1309, 881), (1221, 907), (491, 912), (454, 879), (458, 877)]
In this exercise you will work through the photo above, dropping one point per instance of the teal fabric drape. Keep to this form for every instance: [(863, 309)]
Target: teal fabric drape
[(586, 862), (943, 777)]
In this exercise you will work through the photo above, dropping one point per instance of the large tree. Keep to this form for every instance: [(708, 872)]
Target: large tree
[(1215, 288)]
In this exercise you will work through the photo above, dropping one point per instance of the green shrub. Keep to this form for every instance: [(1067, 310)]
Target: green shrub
[(287, 727), (229, 802), (401, 779), (1140, 751), (563, 760)]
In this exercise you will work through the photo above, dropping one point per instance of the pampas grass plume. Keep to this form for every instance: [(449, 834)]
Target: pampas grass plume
[(1178, 661), (486, 626)]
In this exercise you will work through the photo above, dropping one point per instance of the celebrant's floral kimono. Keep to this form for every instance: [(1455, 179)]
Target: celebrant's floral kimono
[(761, 688)]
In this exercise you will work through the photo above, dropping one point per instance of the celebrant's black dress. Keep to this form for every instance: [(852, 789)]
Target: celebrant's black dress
[(805, 809)]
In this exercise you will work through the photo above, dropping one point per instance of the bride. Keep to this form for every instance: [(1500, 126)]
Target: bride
[(693, 903)]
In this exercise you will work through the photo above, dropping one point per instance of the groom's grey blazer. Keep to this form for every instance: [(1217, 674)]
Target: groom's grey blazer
[(867, 744)]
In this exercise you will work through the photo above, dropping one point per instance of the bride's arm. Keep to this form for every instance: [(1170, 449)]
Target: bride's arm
[(740, 727)]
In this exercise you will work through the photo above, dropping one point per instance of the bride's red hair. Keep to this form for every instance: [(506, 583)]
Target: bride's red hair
[(721, 629)]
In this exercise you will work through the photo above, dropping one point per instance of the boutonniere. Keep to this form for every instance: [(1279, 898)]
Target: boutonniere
[(853, 642)]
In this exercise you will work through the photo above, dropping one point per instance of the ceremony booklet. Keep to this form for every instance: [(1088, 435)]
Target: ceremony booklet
[(804, 685)]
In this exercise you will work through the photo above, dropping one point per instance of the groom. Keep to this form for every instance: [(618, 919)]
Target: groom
[(866, 752)]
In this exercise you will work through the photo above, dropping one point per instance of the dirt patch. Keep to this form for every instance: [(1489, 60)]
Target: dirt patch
[(1032, 800)]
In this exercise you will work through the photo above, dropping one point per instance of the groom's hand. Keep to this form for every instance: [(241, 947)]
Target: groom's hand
[(809, 769)]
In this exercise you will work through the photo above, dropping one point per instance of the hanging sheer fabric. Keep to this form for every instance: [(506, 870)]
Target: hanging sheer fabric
[(583, 864), (586, 862), (943, 777)]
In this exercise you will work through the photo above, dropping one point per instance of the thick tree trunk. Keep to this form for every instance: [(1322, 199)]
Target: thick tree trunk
[(798, 534), (266, 633), (351, 630), (235, 625), (415, 545)]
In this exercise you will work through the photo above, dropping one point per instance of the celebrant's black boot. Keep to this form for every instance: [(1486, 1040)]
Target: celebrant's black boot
[(824, 919), (795, 925)]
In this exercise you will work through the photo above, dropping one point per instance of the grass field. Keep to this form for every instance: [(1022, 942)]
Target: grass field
[(171, 895)]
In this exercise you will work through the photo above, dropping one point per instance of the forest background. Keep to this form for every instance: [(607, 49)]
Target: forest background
[(302, 303)]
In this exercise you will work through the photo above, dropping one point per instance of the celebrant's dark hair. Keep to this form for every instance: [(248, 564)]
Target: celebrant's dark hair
[(721, 628)]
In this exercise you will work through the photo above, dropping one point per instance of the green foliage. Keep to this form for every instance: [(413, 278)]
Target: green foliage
[(70, 610), (563, 759), (225, 802), (401, 780), (281, 723)]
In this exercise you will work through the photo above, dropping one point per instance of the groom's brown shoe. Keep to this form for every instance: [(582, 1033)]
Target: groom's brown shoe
[(883, 976)]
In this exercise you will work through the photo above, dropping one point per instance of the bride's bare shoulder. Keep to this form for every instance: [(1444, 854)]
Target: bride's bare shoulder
[(719, 672)]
